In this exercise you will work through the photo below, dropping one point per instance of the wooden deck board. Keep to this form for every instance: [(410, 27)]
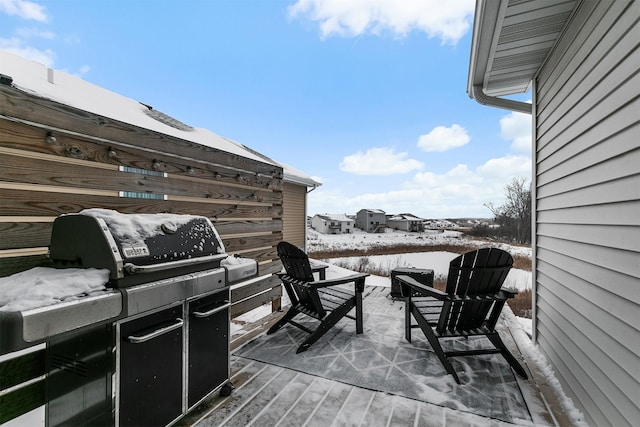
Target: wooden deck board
[(380, 410), (287, 398), (305, 405), (331, 405), (266, 395)]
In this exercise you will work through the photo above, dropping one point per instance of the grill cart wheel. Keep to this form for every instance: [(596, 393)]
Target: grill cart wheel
[(226, 389)]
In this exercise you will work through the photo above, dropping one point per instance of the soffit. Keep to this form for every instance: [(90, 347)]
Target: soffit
[(512, 39)]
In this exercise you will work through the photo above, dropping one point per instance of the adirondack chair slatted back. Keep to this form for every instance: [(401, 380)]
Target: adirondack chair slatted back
[(298, 269), (470, 276)]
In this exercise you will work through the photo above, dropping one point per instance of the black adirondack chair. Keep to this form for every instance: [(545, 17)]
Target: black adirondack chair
[(470, 306), (319, 299)]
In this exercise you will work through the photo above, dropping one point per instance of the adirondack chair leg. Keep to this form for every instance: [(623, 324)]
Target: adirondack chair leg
[(326, 324), (290, 314), (359, 289), (435, 343), (515, 365), (407, 319)]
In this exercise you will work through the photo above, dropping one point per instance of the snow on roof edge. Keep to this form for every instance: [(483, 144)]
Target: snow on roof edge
[(291, 174), (39, 80), (295, 176)]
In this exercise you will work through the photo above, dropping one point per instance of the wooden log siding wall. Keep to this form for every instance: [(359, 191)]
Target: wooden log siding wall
[(97, 162)]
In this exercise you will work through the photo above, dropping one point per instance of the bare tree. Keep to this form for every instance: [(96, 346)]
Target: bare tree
[(514, 217)]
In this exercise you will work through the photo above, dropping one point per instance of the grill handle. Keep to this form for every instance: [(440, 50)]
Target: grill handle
[(137, 340), (136, 269), (212, 311)]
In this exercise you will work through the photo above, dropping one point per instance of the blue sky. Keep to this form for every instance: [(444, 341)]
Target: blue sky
[(366, 96)]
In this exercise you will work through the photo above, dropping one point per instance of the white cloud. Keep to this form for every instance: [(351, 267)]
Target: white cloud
[(516, 127), (447, 20), (379, 161), (28, 33), (507, 167), (443, 138), (24, 9), (459, 192), (18, 47)]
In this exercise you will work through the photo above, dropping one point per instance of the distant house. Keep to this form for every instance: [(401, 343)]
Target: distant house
[(405, 222), (371, 220), (580, 59), (332, 224)]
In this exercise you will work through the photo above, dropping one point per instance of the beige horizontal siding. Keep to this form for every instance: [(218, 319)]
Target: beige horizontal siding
[(294, 214)]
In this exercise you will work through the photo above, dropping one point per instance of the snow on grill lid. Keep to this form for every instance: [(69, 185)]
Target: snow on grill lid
[(140, 227)]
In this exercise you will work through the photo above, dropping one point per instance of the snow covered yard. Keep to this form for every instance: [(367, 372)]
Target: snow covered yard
[(360, 240)]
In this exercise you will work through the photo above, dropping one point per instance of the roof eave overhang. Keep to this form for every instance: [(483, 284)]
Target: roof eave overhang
[(298, 180), (487, 19), (511, 42)]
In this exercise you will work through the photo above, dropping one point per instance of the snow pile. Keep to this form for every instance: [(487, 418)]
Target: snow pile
[(43, 286), (521, 332)]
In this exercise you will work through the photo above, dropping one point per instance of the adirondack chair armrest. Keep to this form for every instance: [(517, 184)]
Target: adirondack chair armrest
[(507, 293), (285, 278), (408, 283), (357, 278)]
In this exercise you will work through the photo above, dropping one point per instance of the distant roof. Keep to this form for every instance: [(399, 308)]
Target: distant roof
[(39, 80), (405, 217), (379, 211), (335, 217)]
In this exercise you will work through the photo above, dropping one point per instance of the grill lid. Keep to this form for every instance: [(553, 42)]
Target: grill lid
[(130, 244)]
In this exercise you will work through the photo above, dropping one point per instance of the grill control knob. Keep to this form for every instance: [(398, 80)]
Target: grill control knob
[(169, 228)]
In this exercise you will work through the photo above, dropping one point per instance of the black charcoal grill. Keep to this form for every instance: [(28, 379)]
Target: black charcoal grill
[(165, 314)]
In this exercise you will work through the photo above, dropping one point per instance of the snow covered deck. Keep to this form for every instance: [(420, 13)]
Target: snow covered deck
[(375, 379)]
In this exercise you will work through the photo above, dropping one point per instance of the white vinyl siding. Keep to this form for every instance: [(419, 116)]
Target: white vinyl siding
[(587, 163), (294, 224)]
